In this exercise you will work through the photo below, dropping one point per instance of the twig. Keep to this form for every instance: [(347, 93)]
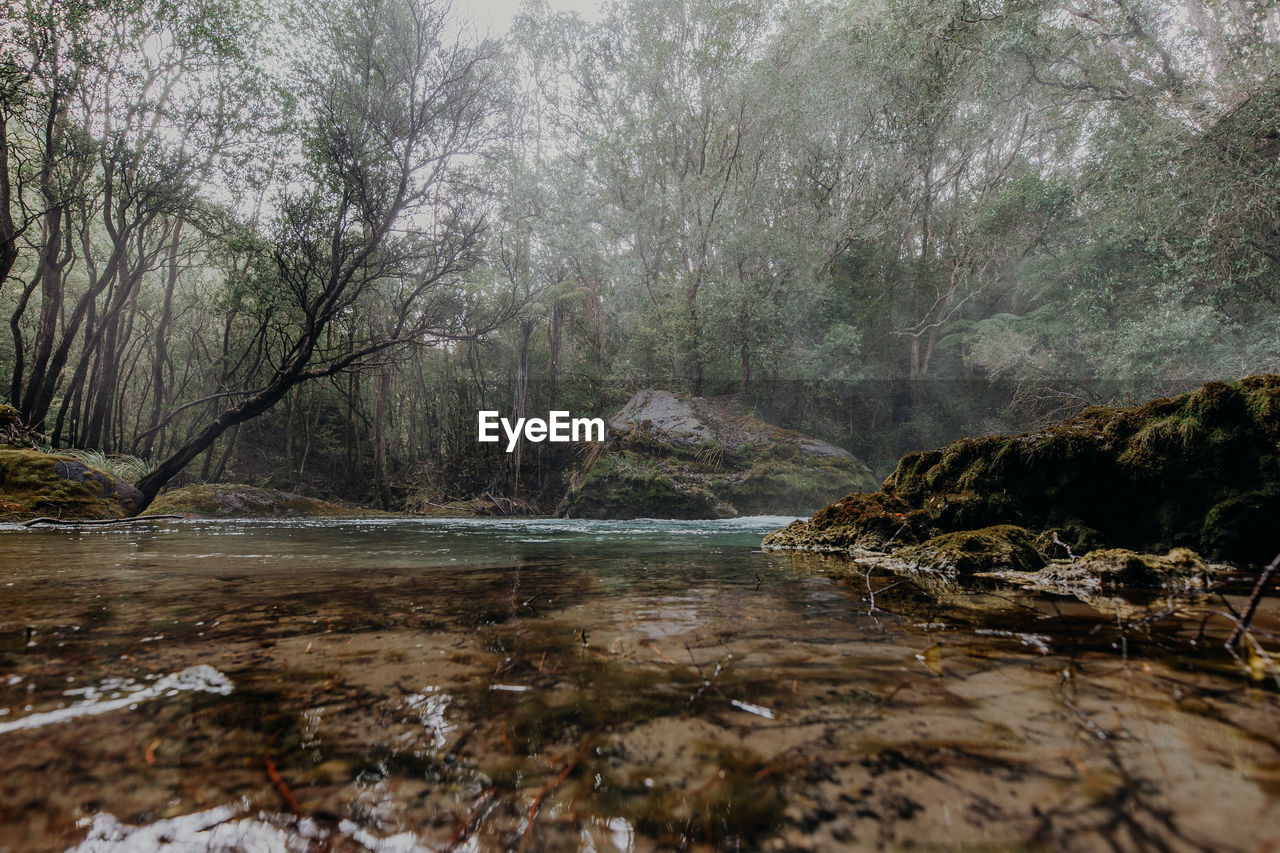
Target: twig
[(1057, 541), (285, 794), (1256, 597), (468, 823), (532, 815), (1098, 731), (889, 541)]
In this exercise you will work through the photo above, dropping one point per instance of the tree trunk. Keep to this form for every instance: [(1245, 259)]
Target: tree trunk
[(49, 267), (553, 369), (8, 231), (161, 358), (381, 475), (249, 408), (521, 398), (32, 406), (19, 347)]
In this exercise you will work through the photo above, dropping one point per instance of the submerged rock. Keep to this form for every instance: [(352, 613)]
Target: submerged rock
[(1200, 471), (669, 456), (38, 484), (1120, 568), (230, 500)]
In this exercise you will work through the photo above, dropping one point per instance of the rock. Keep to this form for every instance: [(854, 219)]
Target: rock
[(1120, 568), (35, 484), (1199, 471), (669, 456), (1004, 547), (227, 500), (856, 522)]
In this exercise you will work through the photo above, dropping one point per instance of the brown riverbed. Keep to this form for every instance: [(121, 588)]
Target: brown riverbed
[(403, 685)]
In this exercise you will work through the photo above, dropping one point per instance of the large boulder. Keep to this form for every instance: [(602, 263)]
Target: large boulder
[(46, 484), (1198, 471), (671, 456)]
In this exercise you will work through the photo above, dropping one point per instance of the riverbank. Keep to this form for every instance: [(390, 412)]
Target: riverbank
[(1116, 496)]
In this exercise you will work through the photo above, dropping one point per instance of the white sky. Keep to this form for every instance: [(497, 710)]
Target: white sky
[(494, 16)]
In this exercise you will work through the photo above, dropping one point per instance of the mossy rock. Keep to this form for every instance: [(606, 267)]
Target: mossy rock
[(1121, 568), (34, 484), (628, 485), (1003, 547), (1067, 541), (229, 500), (1201, 471), (858, 521), (670, 456)]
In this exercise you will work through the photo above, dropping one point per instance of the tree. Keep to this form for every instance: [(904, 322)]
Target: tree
[(386, 227)]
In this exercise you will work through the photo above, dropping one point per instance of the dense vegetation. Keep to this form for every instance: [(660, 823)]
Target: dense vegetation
[(301, 246)]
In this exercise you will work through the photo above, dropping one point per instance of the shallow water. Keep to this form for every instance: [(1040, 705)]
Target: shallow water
[(571, 685)]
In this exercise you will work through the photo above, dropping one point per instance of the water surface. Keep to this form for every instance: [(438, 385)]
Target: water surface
[(576, 685)]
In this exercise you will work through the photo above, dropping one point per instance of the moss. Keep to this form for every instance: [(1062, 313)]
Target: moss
[(792, 484), (220, 500), (35, 484), (1004, 547), (1121, 568), (858, 521), (1243, 524), (1067, 541), (1198, 471), (1145, 477), (9, 420)]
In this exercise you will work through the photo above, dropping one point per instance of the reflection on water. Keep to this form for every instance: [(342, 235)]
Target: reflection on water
[(571, 685), (117, 693)]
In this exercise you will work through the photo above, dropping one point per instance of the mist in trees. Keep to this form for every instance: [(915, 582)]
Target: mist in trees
[(303, 246)]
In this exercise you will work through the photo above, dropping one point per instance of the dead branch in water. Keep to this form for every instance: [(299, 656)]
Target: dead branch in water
[(1243, 624), (532, 815), (96, 521), (283, 789), (468, 824)]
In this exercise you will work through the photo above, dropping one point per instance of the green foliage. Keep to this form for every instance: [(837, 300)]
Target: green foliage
[(891, 223)]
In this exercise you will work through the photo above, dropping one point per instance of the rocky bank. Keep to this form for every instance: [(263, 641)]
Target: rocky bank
[(1123, 496)]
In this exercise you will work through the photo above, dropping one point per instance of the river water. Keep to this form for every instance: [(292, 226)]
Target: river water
[(400, 685)]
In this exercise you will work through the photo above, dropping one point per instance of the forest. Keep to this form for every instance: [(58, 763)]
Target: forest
[(744, 425), (301, 245)]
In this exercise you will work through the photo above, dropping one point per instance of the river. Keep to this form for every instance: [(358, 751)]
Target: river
[(401, 685)]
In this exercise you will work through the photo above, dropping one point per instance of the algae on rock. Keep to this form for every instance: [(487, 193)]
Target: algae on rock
[(669, 456), (38, 484)]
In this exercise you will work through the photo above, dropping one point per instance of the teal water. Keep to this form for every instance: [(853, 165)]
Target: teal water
[(577, 685)]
